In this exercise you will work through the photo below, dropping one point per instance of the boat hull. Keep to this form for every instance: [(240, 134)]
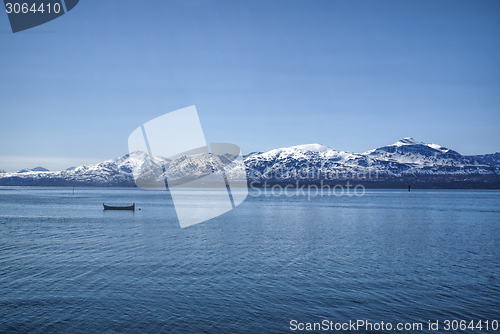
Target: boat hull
[(110, 207)]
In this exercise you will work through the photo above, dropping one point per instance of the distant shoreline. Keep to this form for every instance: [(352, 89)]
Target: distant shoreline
[(395, 185)]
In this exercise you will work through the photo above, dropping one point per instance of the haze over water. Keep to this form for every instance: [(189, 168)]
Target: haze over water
[(67, 266)]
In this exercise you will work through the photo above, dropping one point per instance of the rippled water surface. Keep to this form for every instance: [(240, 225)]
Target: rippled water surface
[(67, 266)]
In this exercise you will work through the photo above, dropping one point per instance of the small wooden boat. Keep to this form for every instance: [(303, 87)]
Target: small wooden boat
[(109, 207)]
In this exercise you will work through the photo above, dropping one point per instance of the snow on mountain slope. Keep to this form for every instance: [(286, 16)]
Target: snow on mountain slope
[(304, 163), (407, 157), (36, 169), (489, 159), (410, 151)]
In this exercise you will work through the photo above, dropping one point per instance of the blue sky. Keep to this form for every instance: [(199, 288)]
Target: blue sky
[(351, 75)]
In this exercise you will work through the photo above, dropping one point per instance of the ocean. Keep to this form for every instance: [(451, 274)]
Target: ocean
[(274, 264)]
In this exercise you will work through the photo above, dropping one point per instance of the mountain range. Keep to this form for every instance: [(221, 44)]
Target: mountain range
[(405, 162)]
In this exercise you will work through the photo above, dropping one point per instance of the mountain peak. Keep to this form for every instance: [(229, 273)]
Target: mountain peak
[(408, 141), (311, 147), (36, 169)]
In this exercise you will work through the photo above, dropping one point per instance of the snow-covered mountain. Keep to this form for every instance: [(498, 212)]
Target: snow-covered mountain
[(36, 169), (405, 158), (406, 161), (490, 159), (114, 172), (121, 171)]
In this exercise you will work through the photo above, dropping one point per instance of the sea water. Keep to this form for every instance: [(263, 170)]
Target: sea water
[(272, 263)]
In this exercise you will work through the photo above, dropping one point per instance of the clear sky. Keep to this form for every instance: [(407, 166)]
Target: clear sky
[(351, 75)]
